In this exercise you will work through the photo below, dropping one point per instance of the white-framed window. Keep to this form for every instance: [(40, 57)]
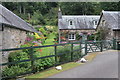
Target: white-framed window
[(95, 22), (71, 36), (70, 22), (103, 22)]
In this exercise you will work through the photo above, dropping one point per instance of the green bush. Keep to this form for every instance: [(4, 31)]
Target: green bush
[(18, 56), (91, 37), (64, 57), (76, 54), (13, 71), (39, 65), (44, 64), (78, 37)]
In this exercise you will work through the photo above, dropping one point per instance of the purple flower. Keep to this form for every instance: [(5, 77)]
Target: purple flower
[(34, 42)]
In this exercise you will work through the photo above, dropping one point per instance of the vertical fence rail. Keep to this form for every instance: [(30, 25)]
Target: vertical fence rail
[(80, 49), (71, 51), (55, 47), (82, 45), (101, 46), (114, 44), (32, 59), (86, 47)]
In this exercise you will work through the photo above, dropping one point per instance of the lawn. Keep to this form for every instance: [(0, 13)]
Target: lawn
[(49, 41), (52, 71), (67, 66)]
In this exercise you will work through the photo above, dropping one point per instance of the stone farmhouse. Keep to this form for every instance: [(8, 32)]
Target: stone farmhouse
[(71, 25), (13, 30), (110, 22)]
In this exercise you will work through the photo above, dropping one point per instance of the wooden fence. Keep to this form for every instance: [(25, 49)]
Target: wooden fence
[(89, 46)]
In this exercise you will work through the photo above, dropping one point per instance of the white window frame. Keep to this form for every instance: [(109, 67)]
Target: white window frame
[(95, 22), (103, 22), (71, 36), (71, 23)]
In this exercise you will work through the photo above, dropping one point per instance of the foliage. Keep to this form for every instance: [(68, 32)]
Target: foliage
[(18, 56), (74, 8), (91, 37), (13, 71), (44, 63), (46, 12), (42, 29), (109, 6), (102, 33), (65, 51), (78, 36)]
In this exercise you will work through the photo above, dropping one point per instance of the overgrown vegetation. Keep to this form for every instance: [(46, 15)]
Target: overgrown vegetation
[(45, 13)]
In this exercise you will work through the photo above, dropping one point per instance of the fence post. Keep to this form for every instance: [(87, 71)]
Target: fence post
[(101, 46), (32, 59), (71, 51), (114, 44), (85, 47), (55, 54), (80, 50)]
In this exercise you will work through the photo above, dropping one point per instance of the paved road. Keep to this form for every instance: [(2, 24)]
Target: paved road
[(105, 65)]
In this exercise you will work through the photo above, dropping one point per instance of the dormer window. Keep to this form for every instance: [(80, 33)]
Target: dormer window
[(70, 22), (95, 22), (103, 22)]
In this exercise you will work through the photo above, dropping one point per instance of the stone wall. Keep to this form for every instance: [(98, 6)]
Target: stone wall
[(79, 31), (64, 33), (107, 27), (12, 38), (116, 34)]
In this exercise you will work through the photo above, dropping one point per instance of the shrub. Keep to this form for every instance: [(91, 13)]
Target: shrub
[(44, 64), (64, 57), (13, 71), (78, 37), (18, 56), (91, 37)]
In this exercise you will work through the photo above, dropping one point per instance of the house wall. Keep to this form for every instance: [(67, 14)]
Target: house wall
[(12, 38), (110, 33), (64, 33), (117, 34)]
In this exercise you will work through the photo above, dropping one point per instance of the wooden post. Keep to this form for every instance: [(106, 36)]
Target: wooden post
[(85, 47), (101, 46), (80, 50), (71, 51), (55, 54), (32, 59), (114, 44)]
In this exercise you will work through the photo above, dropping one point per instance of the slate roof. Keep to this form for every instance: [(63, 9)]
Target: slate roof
[(112, 18), (9, 18), (80, 21)]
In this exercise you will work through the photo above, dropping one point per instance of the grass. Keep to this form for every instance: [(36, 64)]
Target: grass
[(91, 56), (50, 40), (67, 66), (53, 71), (48, 50)]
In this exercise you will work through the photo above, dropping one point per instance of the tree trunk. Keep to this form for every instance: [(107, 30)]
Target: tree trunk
[(28, 16), (20, 9), (24, 10)]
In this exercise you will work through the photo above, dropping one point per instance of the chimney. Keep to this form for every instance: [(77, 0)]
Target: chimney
[(59, 14)]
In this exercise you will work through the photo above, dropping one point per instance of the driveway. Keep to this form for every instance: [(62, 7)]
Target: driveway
[(105, 65)]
